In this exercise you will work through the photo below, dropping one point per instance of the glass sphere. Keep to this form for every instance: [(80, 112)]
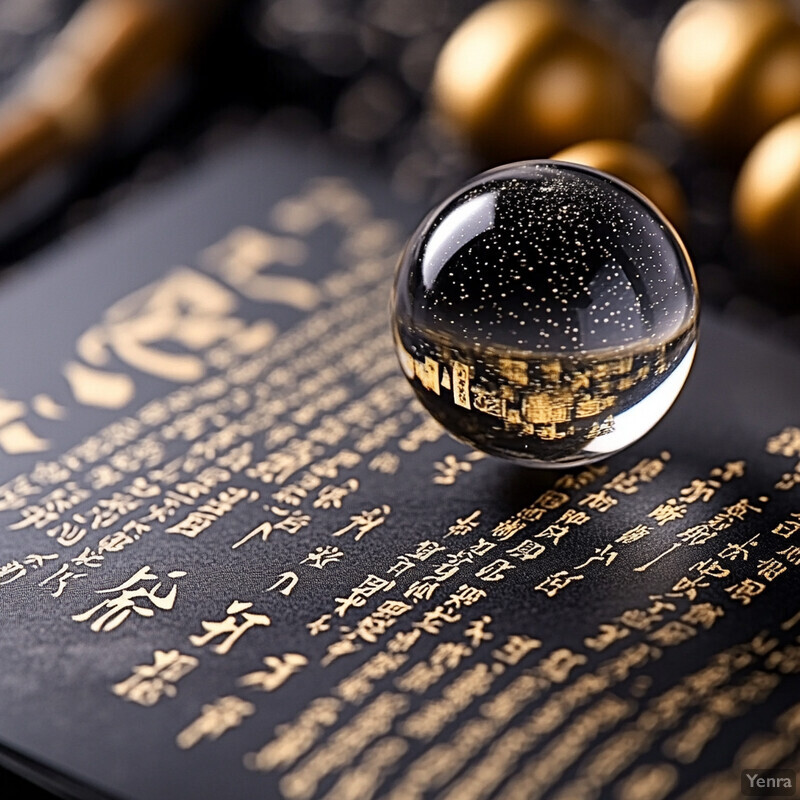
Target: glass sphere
[(546, 313)]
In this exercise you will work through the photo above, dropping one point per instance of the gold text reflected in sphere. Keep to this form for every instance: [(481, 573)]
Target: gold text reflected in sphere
[(521, 78), (766, 200), (728, 70), (635, 166)]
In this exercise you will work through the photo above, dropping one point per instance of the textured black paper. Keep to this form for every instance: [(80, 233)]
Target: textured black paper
[(310, 481)]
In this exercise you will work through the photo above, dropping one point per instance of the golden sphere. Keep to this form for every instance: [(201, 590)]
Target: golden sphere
[(728, 70), (635, 166), (521, 78), (766, 199)]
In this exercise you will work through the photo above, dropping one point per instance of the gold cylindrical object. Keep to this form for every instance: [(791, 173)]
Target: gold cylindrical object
[(107, 58), (728, 70), (521, 78), (635, 166), (766, 200)]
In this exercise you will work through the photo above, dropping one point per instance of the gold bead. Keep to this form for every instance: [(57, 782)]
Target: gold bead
[(766, 199), (635, 166), (728, 70), (521, 78)]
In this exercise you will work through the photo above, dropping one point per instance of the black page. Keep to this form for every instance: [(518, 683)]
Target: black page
[(503, 663)]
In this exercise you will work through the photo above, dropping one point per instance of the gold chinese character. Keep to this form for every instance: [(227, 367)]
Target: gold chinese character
[(703, 614), (792, 554), (11, 571), (229, 627), (735, 549), (544, 407), (526, 550), (554, 583), (150, 682), (553, 531), (279, 670), (365, 522), (574, 517), (606, 555), (403, 641), (319, 625), (322, 556), (403, 564), (600, 501), (699, 490), (745, 590), (476, 631), (118, 609), (285, 583), (464, 525), (359, 595), (332, 496), (696, 535), (558, 665), (67, 534), (16, 437), (508, 527), (37, 561), (731, 470), (432, 621), (516, 647), (496, 571), (671, 549), (551, 500), (422, 589), (606, 636), (488, 403), (732, 513), (426, 549), (386, 463), (448, 469), (769, 569), (241, 256), (186, 307), (342, 647), (428, 373), (461, 385), (263, 530), (710, 568), (293, 521), (216, 718), (786, 443), (688, 586), (669, 511), (465, 595), (634, 534), (788, 526), (672, 634), (291, 495), (64, 575)]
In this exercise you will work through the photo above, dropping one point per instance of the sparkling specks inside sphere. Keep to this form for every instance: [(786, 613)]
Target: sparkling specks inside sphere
[(546, 313)]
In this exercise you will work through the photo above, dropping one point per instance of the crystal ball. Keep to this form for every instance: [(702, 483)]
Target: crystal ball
[(546, 313)]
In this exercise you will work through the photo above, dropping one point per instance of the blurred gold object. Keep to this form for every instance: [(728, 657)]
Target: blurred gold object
[(107, 58), (635, 166), (766, 200), (728, 70), (521, 78)]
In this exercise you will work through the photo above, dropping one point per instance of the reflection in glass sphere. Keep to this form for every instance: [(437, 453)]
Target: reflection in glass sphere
[(546, 313)]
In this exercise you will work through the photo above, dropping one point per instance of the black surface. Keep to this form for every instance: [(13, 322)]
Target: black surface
[(54, 686)]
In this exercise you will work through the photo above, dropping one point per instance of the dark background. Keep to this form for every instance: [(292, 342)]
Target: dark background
[(358, 72)]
